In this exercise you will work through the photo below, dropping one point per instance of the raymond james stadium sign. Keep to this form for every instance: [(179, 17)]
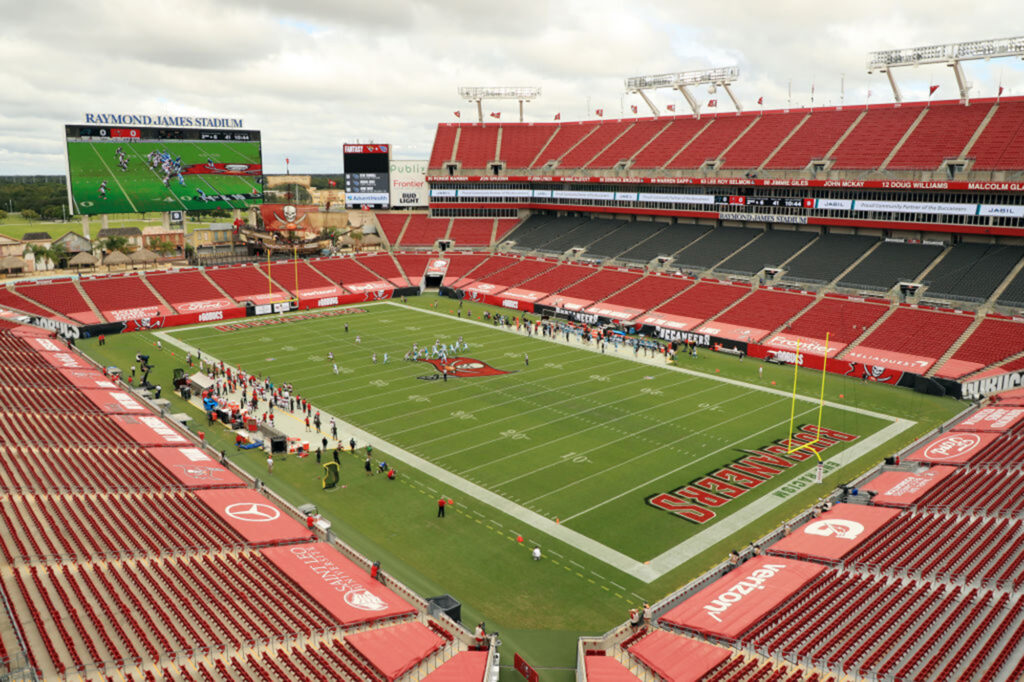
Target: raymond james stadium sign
[(176, 121)]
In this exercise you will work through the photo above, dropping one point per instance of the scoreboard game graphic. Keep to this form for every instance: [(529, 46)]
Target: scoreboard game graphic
[(138, 170)]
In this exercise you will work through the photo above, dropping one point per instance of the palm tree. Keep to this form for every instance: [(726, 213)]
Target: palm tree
[(115, 243), (58, 255), (357, 238), (163, 247), (39, 253)]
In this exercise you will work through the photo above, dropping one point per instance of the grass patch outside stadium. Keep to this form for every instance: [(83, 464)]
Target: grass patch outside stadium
[(580, 436)]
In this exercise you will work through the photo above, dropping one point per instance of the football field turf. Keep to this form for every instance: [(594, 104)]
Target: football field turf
[(574, 443), (141, 188)]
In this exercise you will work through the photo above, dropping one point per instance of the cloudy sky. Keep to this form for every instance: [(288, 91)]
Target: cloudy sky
[(313, 74)]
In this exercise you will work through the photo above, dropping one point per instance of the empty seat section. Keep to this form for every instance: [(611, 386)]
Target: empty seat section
[(714, 247), (472, 231), (972, 271), (392, 224), (244, 281), (872, 140), (649, 292), (504, 226), (626, 146), (444, 141), (766, 309), (992, 341), (182, 286), (1001, 143), (382, 264), (116, 293), (815, 137), (1013, 294), (518, 273), (344, 271), (842, 319), (553, 235), (584, 234), (521, 142), (528, 233), (12, 300), (773, 249), (556, 279), (669, 142), (711, 142), (625, 237), (424, 230), (601, 285), (293, 276), (665, 242), (460, 264), (761, 140), (414, 265), (704, 300), (59, 295), (488, 268), (592, 145), (568, 135), (890, 263), (918, 332), (478, 144), (826, 258), (940, 135)]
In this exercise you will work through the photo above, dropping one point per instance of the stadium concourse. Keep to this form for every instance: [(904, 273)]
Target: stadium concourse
[(131, 552)]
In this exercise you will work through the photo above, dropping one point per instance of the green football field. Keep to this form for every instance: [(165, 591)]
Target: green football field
[(141, 188), (580, 436)]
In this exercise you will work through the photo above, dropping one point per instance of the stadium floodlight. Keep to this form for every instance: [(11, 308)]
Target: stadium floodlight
[(479, 94), (682, 81), (950, 54)]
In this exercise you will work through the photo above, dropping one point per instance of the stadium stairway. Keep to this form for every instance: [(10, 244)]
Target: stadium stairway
[(782, 265), (782, 327), (217, 286), (710, 271), (906, 135), (735, 140), (932, 265), (602, 150), (781, 144), (152, 289), (405, 225), (646, 144), (978, 319), (497, 143), (685, 145), (831, 286), (92, 306), (991, 301), (870, 330), (576, 144), (842, 138), (979, 130)]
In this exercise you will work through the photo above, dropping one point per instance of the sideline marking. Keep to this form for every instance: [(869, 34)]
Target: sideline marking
[(664, 562)]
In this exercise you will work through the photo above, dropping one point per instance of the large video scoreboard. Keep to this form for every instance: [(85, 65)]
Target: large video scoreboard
[(139, 169), (367, 175)]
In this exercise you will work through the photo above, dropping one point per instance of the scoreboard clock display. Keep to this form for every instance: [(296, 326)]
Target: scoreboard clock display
[(367, 175)]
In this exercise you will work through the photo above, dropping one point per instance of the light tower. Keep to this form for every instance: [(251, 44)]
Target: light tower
[(682, 81), (479, 94), (950, 54)]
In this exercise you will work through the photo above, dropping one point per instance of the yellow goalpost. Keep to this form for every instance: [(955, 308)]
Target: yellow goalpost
[(790, 449)]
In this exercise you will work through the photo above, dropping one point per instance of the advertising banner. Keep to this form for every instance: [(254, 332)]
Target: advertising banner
[(835, 533), (409, 184)]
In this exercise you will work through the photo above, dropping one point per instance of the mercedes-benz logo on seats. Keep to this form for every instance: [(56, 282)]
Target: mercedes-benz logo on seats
[(253, 512)]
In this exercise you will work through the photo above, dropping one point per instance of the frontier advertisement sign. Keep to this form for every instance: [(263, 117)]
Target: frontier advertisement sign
[(409, 184)]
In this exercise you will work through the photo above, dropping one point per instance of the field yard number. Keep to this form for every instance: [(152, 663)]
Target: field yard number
[(553, 365), (289, 348), (419, 398), (379, 383), (599, 377), (315, 358), (710, 407), (650, 391), (412, 329), (463, 415), (511, 355), (512, 434), (574, 458)]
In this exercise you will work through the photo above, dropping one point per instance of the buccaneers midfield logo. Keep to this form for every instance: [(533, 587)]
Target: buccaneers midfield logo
[(461, 367)]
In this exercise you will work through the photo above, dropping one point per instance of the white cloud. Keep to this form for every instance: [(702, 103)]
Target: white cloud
[(312, 74)]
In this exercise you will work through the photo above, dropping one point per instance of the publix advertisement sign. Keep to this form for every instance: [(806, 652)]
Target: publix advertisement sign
[(409, 183)]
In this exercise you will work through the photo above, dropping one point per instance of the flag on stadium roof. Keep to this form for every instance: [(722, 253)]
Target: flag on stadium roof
[(760, 100), (932, 89), (599, 112), (458, 114), (633, 107), (712, 102), (671, 107), (495, 114), (558, 116)]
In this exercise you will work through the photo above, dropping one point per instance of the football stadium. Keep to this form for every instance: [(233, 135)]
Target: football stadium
[(727, 394)]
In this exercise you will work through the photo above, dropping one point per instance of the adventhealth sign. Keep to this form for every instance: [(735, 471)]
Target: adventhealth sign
[(178, 121)]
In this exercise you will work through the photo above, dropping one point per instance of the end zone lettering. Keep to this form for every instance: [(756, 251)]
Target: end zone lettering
[(697, 501)]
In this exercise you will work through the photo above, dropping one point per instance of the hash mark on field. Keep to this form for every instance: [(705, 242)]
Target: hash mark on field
[(617, 585), (577, 565)]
